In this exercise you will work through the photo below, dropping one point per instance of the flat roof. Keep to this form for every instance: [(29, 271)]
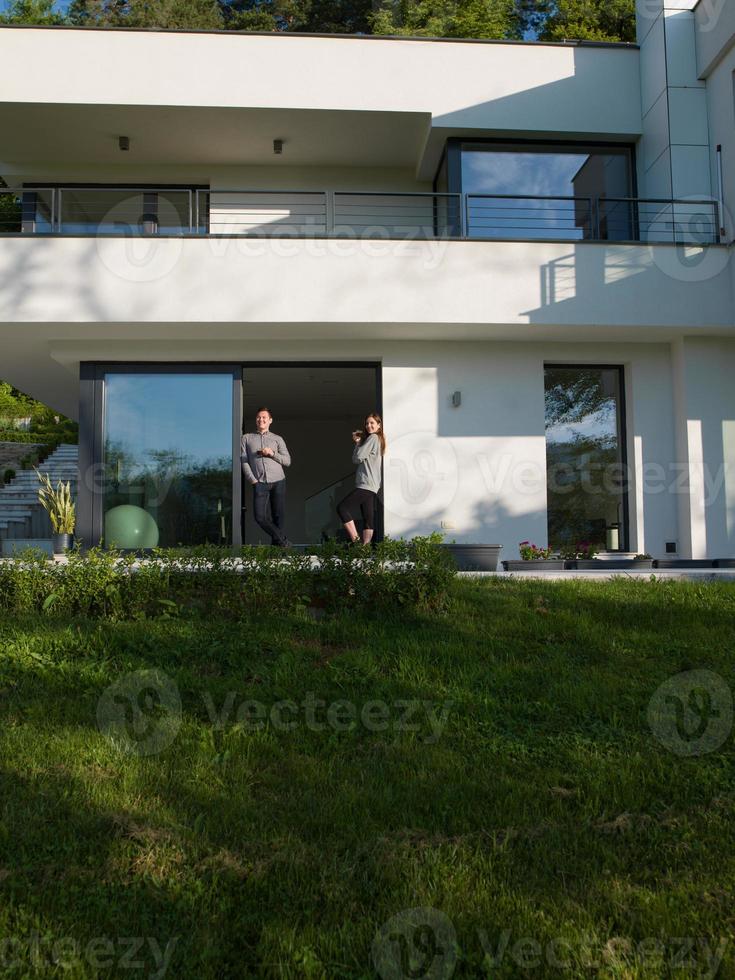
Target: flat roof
[(567, 42)]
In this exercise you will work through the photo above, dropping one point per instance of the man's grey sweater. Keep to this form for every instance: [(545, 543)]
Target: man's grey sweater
[(263, 469), (367, 455)]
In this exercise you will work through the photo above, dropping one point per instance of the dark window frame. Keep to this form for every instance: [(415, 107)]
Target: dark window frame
[(90, 517), (91, 432), (622, 414)]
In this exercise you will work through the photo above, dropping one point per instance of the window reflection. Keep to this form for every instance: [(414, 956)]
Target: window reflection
[(584, 458), (168, 457), (545, 191)]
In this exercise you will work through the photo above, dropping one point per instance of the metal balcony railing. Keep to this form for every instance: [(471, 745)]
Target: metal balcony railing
[(402, 215)]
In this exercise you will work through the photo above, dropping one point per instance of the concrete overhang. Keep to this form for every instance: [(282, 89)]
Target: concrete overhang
[(333, 99), (86, 136)]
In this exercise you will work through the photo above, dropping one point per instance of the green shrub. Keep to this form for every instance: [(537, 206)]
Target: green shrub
[(8, 475), (397, 575)]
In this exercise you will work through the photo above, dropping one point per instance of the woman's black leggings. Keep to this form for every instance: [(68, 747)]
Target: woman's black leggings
[(362, 498)]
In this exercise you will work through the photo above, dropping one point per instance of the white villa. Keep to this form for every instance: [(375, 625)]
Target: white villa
[(519, 254)]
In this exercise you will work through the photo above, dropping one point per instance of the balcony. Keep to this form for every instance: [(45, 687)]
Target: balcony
[(378, 215)]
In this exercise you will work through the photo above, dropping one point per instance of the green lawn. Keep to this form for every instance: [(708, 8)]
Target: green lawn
[(510, 782)]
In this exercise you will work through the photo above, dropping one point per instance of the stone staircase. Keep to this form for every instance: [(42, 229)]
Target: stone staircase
[(23, 522)]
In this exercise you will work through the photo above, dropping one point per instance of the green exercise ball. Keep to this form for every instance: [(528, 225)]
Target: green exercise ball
[(127, 526)]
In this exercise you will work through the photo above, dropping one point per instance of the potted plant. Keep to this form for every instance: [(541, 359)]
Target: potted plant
[(581, 555), (639, 562), (534, 558), (60, 508), (683, 563), (474, 557)]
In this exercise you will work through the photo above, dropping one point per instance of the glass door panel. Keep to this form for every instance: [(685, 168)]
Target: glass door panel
[(585, 458), (167, 459)]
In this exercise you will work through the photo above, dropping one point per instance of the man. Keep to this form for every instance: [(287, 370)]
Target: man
[(263, 455)]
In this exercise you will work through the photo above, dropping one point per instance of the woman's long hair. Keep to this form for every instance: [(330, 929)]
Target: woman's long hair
[(380, 434)]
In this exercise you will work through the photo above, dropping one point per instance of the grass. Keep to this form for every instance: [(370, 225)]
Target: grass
[(508, 783)]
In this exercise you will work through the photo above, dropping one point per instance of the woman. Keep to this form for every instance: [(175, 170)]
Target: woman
[(368, 454)]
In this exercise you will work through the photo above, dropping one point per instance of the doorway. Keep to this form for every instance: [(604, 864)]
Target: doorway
[(315, 408)]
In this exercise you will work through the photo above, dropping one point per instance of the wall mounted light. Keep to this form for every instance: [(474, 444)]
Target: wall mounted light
[(123, 142), (278, 146), (456, 399)]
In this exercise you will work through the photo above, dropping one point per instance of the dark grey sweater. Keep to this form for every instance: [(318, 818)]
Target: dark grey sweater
[(263, 469)]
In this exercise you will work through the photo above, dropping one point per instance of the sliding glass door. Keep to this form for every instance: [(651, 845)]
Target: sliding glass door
[(167, 451)]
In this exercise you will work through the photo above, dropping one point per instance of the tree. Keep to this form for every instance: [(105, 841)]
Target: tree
[(162, 14), (32, 12), (311, 16), (549, 20), (587, 20), (447, 18)]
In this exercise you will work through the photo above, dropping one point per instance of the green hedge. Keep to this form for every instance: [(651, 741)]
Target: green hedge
[(209, 581), (46, 437)]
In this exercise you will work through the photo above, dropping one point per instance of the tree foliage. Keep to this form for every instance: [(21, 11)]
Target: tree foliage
[(549, 20), (162, 14), (587, 20), (39, 12), (448, 18)]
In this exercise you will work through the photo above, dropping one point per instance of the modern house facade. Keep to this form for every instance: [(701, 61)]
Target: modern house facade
[(518, 253)]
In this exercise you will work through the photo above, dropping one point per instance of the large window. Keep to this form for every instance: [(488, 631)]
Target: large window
[(167, 457), (585, 458), (523, 191)]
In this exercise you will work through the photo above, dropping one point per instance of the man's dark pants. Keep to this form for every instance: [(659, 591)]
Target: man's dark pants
[(269, 505)]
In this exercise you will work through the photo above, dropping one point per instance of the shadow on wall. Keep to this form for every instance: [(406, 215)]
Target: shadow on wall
[(594, 97), (488, 521)]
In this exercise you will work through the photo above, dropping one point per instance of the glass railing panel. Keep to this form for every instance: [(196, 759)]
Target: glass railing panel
[(320, 511), (266, 213), (527, 218), (401, 216), (124, 212)]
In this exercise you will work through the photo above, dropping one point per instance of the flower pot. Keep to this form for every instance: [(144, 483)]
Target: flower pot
[(610, 565), (682, 563), (61, 543), (535, 565), (475, 557)]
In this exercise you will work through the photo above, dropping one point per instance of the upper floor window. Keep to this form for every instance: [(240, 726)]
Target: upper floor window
[(543, 190)]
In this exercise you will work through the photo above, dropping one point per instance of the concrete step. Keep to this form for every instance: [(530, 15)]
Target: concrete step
[(53, 474), (11, 493), (6, 519)]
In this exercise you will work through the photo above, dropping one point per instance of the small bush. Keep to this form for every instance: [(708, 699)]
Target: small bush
[(8, 475), (394, 575)]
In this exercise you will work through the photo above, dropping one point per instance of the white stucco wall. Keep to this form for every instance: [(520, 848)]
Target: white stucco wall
[(704, 397), (502, 86), (290, 283), (721, 109), (481, 468)]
